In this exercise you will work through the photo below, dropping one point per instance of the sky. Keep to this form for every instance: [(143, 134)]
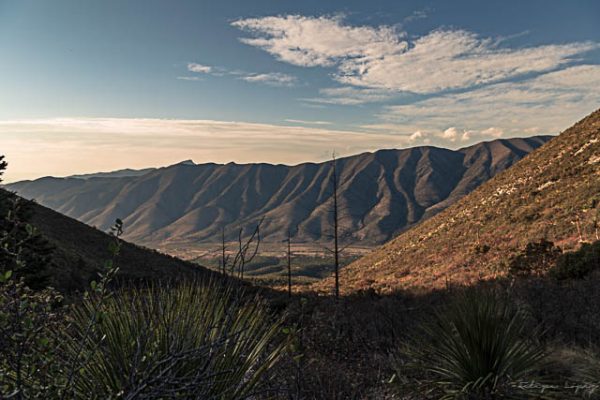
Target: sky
[(88, 86)]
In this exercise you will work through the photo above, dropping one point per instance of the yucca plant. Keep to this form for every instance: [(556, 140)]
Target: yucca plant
[(189, 341), (474, 348), (586, 381)]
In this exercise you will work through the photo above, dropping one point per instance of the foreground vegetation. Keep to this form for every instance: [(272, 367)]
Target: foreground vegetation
[(533, 334), (197, 339)]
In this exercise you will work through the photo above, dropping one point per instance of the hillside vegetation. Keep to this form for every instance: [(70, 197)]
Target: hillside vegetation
[(78, 252), (552, 194)]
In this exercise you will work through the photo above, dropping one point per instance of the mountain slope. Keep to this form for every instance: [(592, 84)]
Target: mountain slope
[(554, 193), (380, 194), (80, 251)]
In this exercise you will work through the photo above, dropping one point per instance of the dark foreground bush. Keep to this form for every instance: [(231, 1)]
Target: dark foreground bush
[(475, 348), (190, 341), (578, 264)]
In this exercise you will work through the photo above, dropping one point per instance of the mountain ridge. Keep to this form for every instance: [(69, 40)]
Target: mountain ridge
[(381, 193)]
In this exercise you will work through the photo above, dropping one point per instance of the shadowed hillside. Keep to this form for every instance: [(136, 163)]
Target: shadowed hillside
[(381, 194), (80, 251), (552, 194)]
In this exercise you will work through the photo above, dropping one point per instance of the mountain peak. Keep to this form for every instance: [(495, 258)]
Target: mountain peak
[(187, 162)]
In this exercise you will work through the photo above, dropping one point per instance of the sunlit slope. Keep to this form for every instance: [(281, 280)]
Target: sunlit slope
[(553, 193)]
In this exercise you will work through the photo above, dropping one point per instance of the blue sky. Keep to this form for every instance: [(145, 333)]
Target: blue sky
[(98, 85)]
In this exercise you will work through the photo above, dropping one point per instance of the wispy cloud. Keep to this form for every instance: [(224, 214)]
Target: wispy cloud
[(306, 122), (318, 41), (189, 78), (348, 95), (194, 67), (272, 79), (268, 78), (383, 58), (416, 15)]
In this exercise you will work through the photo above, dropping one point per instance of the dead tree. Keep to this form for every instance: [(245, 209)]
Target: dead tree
[(336, 250), (242, 257)]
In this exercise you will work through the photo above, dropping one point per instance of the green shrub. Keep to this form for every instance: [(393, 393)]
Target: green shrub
[(187, 341), (578, 264), (29, 362), (475, 348)]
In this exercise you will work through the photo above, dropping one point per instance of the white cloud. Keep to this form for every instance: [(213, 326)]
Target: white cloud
[(318, 41), (65, 146), (272, 78), (416, 136), (380, 57), (205, 69), (450, 134), (445, 60), (468, 135), (545, 104)]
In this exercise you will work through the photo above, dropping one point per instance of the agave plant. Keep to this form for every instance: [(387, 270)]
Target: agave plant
[(193, 341), (475, 348)]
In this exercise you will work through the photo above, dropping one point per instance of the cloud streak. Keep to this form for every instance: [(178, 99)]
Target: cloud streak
[(271, 79), (268, 78), (383, 58), (348, 95)]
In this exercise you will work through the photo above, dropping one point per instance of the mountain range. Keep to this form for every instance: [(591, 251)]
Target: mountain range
[(380, 194), (552, 194)]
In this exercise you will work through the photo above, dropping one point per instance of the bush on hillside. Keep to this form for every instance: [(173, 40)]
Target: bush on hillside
[(20, 242), (29, 362), (537, 258), (578, 264)]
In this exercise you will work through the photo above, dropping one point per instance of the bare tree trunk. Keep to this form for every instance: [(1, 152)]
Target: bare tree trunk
[(289, 263), (336, 250), (223, 260)]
